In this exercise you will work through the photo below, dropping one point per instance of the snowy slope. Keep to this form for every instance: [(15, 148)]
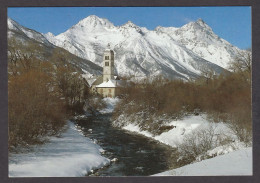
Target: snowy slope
[(169, 51), (235, 163), (200, 38), (24, 33), (23, 38), (70, 155)]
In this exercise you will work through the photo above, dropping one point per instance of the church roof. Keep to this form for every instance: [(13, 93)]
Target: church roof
[(99, 80), (111, 84), (95, 81)]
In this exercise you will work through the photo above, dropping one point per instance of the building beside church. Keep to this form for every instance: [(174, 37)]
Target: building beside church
[(107, 85)]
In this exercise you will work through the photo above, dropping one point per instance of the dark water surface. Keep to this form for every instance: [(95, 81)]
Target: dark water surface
[(137, 155)]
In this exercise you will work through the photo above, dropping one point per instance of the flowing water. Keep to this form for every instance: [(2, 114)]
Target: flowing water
[(136, 155)]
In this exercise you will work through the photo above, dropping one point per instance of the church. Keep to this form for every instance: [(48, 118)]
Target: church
[(107, 85)]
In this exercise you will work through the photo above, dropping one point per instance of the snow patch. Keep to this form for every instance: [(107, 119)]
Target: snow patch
[(110, 84), (134, 128), (70, 155), (235, 163), (174, 136)]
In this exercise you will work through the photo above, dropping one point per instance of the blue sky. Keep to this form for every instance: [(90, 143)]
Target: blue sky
[(231, 23)]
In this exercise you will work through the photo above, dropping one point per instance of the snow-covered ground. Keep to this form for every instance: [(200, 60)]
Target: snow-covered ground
[(234, 163), (232, 158), (73, 154), (182, 127), (70, 155)]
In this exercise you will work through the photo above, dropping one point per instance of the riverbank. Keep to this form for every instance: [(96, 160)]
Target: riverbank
[(69, 155), (75, 153), (131, 154), (235, 163), (182, 131)]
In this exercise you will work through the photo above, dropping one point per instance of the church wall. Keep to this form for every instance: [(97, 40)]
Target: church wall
[(107, 92)]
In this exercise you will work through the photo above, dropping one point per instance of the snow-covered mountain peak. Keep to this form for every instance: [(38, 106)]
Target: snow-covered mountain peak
[(89, 25), (158, 28), (198, 25), (94, 21), (173, 52), (130, 28), (12, 24), (130, 24), (201, 22), (49, 35), (26, 33)]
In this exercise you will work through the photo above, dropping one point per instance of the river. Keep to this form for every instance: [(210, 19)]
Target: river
[(136, 155)]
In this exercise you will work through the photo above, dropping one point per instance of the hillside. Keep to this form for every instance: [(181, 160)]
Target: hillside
[(29, 41)]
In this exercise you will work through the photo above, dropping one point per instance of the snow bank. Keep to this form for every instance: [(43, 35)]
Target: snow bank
[(234, 163), (70, 155), (111, 103), (181, 128), (232, 158), (134, 128)]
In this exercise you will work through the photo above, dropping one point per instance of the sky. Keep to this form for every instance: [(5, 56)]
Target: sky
[(231, 23)]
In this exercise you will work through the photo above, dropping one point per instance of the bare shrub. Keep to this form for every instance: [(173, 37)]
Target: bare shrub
[(197, 143), (95, 103), (241, 129)]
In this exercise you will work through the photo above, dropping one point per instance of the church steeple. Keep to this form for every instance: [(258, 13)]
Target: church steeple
[(108, 64)]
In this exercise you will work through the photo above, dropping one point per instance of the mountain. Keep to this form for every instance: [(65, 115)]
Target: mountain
[(23, 34), (23, 39), (172, 52), (200, 39)]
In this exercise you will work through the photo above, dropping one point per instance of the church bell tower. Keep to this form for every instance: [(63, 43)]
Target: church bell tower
[(108, 64)]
